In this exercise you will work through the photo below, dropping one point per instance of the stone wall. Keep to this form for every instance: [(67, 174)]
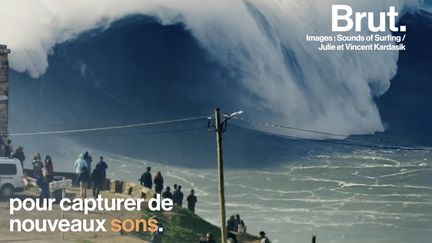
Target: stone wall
[(113, 186), (131, 189)]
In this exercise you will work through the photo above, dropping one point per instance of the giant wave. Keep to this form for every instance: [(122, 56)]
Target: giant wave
[(260, 45), (141, 68)]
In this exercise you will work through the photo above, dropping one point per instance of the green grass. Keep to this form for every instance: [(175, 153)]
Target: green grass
[(188, 227), (182, 227)]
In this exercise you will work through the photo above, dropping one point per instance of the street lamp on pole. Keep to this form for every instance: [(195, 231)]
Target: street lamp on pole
[(220, 128)]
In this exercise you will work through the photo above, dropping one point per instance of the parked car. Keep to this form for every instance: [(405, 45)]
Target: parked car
[(11, 177)]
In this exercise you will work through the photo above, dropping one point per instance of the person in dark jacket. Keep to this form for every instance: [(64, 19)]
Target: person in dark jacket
[(263, 237), (96, 179), (173, 198), (43, 182), (167, 193), (98, 176), (192, 200), (19, 155), (203, 239), (241, 228), (231, 223), (146, 178), (38, 156), (158, 181), (83, 181), (237, 221), (178, 197), (210, 238), (49, 167), (37, 167), (102, 167), (2, 147), (8, 150), (89, 160)]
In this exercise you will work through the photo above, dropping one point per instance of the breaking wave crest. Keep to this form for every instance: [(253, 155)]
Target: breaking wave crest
[(261, 43)]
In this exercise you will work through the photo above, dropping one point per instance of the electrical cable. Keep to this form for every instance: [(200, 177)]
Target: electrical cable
[(108, 127), (343, 141)]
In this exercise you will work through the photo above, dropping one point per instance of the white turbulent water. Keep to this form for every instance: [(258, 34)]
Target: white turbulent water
[(283, 77), (363, 196)]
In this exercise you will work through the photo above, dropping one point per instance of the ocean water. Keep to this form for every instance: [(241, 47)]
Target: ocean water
[(359, 196)]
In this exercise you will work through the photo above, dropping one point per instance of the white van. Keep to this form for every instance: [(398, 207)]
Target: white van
[(11, 177)]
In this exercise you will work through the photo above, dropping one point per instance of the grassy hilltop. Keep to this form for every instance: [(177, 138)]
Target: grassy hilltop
[(181, 225)]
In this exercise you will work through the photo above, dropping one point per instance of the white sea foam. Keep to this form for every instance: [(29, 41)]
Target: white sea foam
[(322, 200), (262, 42)]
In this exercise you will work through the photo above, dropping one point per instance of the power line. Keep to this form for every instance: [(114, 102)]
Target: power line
[(347, 142), (170, 131), (268, 124), (108, 127)]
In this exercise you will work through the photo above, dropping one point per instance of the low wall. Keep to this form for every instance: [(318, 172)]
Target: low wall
[(131, 189), (67, 175), (114, 186)]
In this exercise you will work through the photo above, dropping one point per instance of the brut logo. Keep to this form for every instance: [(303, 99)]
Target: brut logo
[(344, 19)]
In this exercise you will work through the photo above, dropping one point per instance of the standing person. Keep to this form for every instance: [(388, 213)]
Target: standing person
[(79, 164), (203, 239), (178, 196), (43, 182), (263, 237), (37, 167), (19, 155), (83, 181), (101, 166), (192, 200), (236, 222), (158, 181), (8, 150), (231, 223), (174, 198), (96, 179), (2, 147), (241, 227), (167, 193), (39, 157), (88, 159), (49, 167), (146, 178), (210, 238)]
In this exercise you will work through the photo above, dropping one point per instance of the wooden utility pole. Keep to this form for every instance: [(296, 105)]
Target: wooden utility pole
[(219, 131)]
